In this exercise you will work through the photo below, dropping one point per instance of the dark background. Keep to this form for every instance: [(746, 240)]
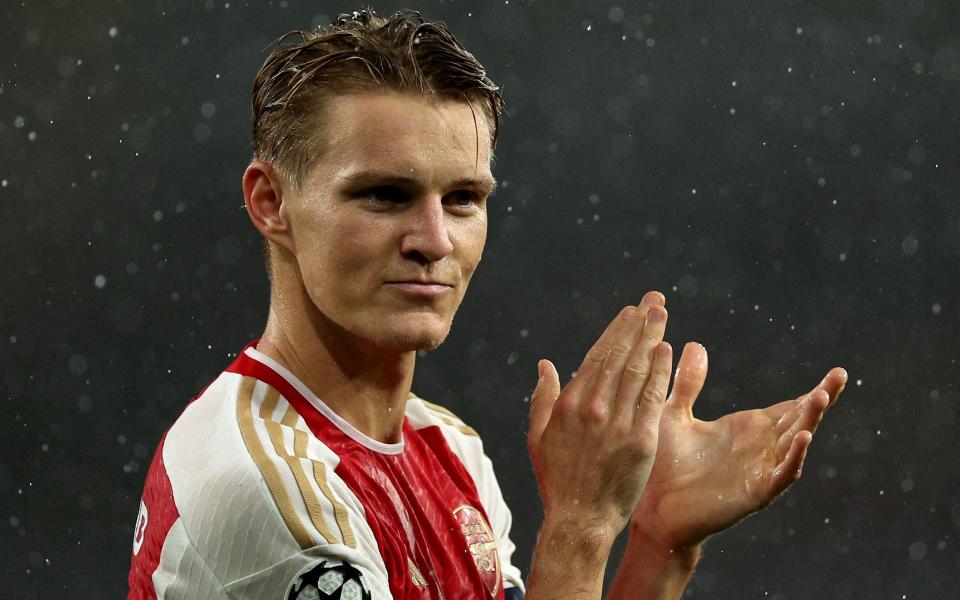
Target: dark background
[(786, 172)]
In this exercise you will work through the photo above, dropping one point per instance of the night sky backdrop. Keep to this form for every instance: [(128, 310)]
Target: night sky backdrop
[(786, 172)]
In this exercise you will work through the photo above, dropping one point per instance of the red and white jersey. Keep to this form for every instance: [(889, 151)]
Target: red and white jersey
[(260, 491)]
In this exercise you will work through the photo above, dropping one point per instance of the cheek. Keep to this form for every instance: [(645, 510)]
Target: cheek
[(326, 250), (335, 253), (473, 240)]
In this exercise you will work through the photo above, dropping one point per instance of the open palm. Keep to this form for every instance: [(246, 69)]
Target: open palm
[(709, 475)]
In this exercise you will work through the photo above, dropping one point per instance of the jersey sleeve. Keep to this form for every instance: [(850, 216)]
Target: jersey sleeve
[(255, 508), (468, 446), (330, 569), (182, 573), (164, 562)]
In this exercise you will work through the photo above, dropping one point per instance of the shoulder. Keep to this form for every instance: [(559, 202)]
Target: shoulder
[(242, 462), (425, 414), (461, 438)]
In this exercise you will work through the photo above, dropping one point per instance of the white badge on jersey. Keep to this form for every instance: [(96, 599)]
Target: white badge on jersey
[(139, 532)]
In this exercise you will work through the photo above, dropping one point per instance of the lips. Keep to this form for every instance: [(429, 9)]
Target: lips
[(426, 288)]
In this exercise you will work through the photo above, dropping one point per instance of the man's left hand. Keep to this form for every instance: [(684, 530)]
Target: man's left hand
[(709, 475)]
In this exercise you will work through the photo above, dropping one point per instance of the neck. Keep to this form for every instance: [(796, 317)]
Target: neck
[(366, 385)]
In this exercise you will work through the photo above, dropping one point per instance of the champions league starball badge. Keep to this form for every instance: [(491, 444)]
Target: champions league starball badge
[(329, 580)]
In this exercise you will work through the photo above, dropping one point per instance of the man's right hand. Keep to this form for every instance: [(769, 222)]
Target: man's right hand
[(593, 444)]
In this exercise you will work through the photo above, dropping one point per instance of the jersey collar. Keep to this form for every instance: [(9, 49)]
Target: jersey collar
[(253, 363)]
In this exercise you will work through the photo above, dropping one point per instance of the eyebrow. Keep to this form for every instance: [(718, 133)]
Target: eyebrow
[(373, 177)]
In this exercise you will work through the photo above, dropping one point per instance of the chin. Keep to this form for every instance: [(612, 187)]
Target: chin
[(409, 342), (413, 334)]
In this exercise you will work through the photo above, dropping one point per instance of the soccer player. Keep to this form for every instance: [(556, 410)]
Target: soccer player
[(309, 470)]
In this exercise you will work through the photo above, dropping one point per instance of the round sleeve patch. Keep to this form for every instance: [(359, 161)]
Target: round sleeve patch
[(328, 580)]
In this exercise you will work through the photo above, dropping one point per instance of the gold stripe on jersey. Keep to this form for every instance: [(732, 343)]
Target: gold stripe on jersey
[(449, 418), (438, 409), (463, 428), (275, 430), (300, 439), (320, 476), (267, 467), (289, 418)]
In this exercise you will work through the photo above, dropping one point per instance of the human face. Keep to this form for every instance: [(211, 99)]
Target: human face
[(391, 221)]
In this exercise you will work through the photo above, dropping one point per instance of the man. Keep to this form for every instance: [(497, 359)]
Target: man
[(308, 469)]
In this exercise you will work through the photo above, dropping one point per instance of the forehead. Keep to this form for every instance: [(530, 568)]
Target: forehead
[(406, 134)]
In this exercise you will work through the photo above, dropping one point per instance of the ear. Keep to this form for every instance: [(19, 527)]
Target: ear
[(263, 197)]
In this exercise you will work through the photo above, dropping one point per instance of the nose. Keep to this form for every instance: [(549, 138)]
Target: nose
[(427, 238)]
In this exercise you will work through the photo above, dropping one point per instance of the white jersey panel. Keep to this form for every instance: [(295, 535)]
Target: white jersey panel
[(467, 445), (219, 493), (182, 574), (258, 493), (275, 581)]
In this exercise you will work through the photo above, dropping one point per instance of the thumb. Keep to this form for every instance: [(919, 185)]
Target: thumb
[(542, 401), (689, 379)]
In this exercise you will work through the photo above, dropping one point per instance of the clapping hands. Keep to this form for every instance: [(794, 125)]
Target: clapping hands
[(612, 447)]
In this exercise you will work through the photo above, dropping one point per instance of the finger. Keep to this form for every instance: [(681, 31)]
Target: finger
[(637, 369), (542, 401), (781, 412), (593, 362), (654, 394), (689, 378), (789, 412), (604, 393), (833, 383), (654, 297), (789, 469), (808, 416), (789, 416), (612, 373)]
